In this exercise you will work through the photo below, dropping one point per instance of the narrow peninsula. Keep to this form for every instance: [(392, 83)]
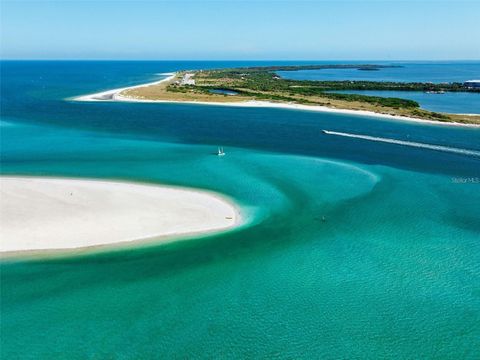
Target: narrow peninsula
[(263, 86)]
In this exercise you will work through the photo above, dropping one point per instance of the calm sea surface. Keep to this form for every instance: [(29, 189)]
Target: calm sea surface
[(392, 272), (408, 71), (435, 72), (450, 102)]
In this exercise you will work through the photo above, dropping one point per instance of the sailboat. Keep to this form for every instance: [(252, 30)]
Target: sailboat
[(220, 151)]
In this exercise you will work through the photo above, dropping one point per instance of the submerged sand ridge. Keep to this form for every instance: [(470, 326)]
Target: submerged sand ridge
[(51, 213)]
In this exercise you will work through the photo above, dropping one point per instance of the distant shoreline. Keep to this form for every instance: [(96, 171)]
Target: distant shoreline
[(115, 95)]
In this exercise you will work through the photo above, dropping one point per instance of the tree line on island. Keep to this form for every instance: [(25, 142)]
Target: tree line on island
[(264, 83)]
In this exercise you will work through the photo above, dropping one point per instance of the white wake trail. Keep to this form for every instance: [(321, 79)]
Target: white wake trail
[(407, 143)]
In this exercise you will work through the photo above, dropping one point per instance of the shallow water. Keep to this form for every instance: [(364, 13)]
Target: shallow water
[(355, 248)]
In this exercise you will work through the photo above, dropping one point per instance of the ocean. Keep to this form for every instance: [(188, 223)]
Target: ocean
[(355, 247)]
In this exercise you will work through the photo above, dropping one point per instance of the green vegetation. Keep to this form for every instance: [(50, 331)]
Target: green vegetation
[(266, 79), (395, 103), (366, 67), (387, 85), (263, 83)]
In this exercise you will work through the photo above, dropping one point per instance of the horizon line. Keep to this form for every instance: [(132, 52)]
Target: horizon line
[(108, 59)]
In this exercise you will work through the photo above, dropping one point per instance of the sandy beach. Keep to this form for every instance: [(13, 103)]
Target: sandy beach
[(38, 213), (115, 95)]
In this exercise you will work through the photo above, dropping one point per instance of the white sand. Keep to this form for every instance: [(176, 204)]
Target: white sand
[(114, 95), (50, 213), (293, 106)]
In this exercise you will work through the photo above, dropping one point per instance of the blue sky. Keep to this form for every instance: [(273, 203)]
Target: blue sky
[(324, 30)]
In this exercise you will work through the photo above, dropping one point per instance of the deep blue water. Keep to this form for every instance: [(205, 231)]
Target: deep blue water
[(393, 272), (36, 93)]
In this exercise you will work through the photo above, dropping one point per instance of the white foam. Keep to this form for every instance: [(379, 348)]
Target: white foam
[(407, 143)]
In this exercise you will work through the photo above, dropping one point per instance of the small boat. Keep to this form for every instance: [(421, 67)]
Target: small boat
[(220, 151)]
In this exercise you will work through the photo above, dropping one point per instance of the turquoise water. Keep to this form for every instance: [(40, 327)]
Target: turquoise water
[(392, 272), (453, 103)]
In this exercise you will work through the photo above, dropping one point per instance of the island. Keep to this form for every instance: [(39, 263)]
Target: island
[(263, 86)]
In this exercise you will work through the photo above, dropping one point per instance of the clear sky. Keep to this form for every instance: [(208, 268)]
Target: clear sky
[(357, 30)]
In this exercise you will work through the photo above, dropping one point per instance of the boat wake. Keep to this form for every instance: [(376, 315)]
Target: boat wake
[(407, 143)]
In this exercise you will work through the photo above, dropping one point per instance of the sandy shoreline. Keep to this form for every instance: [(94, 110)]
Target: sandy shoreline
[(114, 95), (41, 213)]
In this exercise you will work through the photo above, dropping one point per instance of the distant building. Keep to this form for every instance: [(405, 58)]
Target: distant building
[(472, 84), (188, 79)]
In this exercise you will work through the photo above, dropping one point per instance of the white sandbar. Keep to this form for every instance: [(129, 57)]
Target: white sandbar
[(39, 213)]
